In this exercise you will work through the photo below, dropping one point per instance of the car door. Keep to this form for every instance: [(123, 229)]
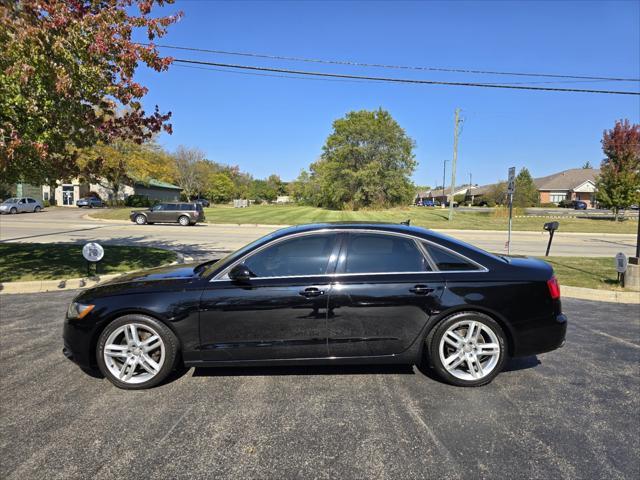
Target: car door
[(385, 291), (23, 205), (281, 312)]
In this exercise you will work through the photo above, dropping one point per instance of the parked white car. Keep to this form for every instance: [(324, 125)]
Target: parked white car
[(20, 205)]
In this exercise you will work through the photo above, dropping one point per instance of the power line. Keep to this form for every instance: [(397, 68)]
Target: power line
[(401, 80), (402, 67), (273, 75)]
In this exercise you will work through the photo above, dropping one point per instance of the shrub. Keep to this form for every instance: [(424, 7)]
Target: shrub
[(548, 205), (137, 201)]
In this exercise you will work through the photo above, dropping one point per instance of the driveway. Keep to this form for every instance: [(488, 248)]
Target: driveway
[(204, 241), (572, 413)]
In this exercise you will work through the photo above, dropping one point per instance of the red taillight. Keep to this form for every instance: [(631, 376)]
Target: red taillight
[(554, 288)]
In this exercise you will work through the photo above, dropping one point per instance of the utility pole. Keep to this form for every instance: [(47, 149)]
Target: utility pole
[(454, 161), (470, 187), (444, 174)]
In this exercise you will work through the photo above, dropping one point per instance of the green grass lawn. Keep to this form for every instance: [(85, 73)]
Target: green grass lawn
[(39, 261), (426, 217), (588, 272)]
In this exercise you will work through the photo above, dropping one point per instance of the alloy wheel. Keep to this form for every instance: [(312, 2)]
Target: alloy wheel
[(469, 350), (140, 220), (184, 221), (134, 353)]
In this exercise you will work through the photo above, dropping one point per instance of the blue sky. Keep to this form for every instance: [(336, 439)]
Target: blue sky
[(278, 125)]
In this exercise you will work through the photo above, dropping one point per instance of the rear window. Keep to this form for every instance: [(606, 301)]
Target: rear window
[(446, 260)]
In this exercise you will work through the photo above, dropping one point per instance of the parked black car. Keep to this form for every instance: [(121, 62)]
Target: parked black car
[(202, 201), (323, 294), (182, 213)]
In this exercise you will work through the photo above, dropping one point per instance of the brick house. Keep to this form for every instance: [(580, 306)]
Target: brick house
[(573, 184)]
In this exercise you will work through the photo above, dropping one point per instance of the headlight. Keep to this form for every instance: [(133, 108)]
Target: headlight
[(78, 310)]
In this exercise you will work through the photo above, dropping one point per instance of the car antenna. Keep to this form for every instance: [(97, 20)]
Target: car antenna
[(407, 222)]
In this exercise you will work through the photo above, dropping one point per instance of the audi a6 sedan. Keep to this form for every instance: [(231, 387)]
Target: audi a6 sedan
[(323, 294)]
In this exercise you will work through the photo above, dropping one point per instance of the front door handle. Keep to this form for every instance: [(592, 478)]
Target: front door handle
[(311, 292), (421, 290)]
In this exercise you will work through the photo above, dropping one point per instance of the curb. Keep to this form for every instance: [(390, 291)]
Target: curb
[(612, 296), (39, 286)]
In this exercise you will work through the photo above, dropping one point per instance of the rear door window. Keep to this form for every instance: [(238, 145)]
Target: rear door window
[(380, 253), (447, 261)]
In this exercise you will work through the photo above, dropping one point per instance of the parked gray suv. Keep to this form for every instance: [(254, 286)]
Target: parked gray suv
[(182, 213)]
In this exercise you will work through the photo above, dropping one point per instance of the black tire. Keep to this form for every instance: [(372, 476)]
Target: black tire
[(184, 220), (171, 344), (433, 348), (13, 210), (140, 219), (37, 210)]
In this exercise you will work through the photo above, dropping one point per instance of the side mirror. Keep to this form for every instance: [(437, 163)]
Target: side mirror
[(240, 273)]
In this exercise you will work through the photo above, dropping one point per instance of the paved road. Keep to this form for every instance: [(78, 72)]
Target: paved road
[(568, 414), (202, 241)]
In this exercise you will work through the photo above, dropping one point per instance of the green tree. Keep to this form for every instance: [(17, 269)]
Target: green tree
[(526, 194), (65, 69), (619, 180), (496, 194), (367, 161), (220, 188), (587, 164)]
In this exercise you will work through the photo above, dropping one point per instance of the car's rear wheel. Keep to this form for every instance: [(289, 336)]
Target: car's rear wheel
[(136, 352), (141, 219), (468, 349), (37, 209), (184, 220)]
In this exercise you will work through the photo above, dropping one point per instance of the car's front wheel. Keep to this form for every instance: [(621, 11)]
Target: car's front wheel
[(136, 352), (13, 210), (141, 219), (37, 210), (468, 349)]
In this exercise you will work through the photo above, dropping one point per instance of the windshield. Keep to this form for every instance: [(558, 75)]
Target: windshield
[(10, 200)]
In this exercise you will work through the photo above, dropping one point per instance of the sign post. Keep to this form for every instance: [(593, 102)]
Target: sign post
[(511, 187), (92, 253)]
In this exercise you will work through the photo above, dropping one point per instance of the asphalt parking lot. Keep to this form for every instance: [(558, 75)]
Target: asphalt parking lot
[(572, 413)]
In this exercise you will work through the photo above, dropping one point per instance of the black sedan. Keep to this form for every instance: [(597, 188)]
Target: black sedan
[(323, 294)]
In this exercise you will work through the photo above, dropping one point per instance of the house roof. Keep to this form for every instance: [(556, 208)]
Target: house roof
[(567, 179), (153, 183), (437, 192)]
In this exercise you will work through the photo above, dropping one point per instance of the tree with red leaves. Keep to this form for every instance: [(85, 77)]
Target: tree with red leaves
[(67, 82), (619, 180)]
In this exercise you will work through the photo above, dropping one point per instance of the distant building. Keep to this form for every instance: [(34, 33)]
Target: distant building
[(568, 185), (442, 195), (283, 199), (66, 194), (573, 184)]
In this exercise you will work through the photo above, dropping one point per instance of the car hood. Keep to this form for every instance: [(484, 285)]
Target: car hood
[(169, 272)]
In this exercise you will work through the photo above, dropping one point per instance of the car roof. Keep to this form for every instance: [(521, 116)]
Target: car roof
[(462, 247)]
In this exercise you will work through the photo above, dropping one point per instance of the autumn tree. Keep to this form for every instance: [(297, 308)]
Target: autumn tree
[(122, 163), (619, 180), (67, 82), (367, 161)]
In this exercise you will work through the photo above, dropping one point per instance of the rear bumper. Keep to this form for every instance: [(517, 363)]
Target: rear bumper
[(549, 334)]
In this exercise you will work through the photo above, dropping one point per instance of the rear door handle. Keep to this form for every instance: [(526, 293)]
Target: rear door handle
[(421, 290), (311, 292)]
